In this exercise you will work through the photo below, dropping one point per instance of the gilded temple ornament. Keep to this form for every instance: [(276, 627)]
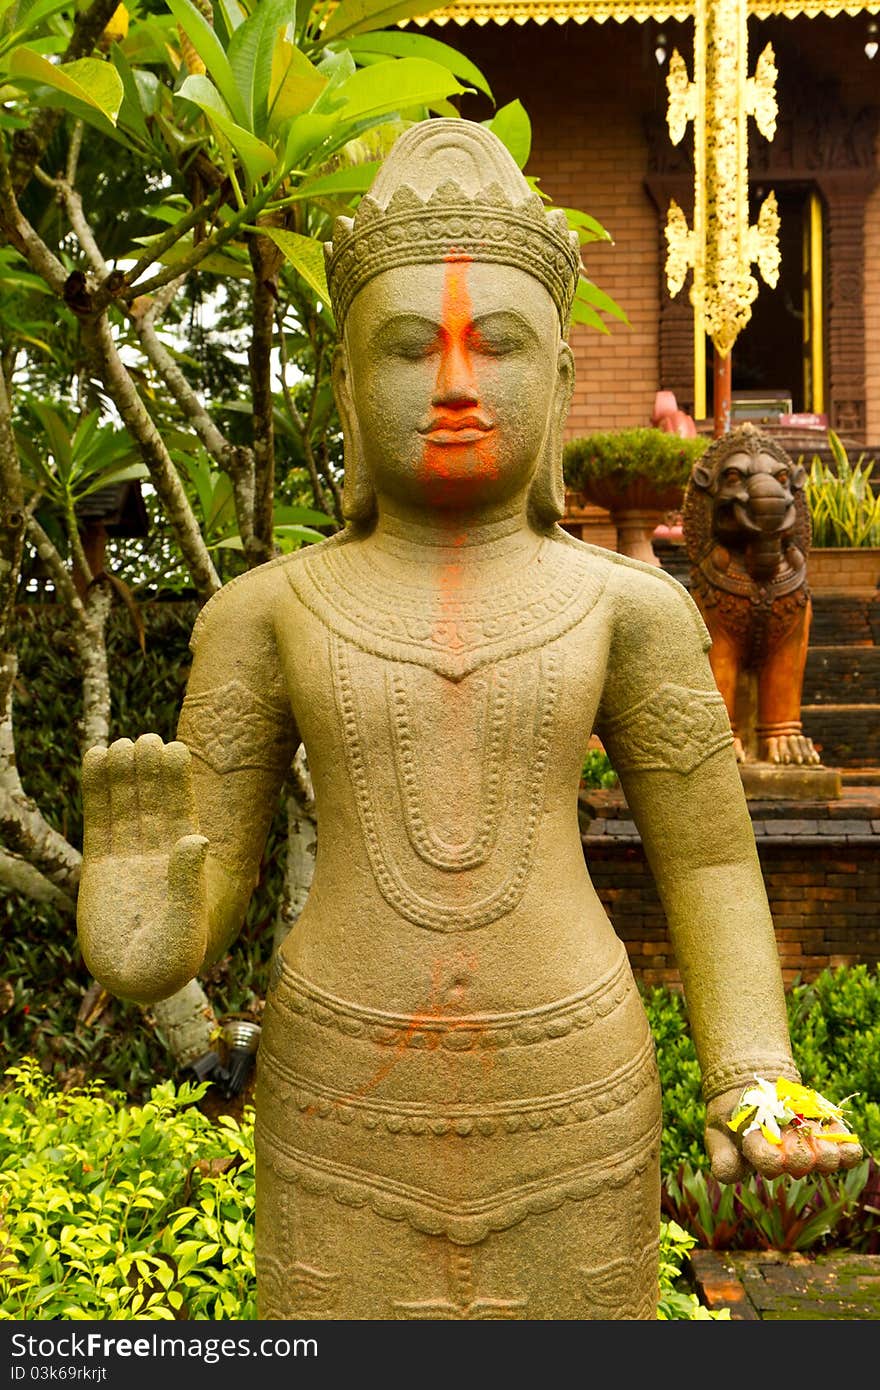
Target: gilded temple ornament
[(721, 246)]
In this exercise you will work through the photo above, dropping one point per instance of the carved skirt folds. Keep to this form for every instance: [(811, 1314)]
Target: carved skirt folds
[(445, 1166)]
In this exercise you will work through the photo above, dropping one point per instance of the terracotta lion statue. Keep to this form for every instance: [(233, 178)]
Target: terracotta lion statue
[(747, 531)]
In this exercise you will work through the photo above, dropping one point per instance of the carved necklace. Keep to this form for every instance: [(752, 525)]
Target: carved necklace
[(381, 628)]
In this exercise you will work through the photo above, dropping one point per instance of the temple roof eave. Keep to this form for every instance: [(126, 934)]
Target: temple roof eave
[(599, 11)]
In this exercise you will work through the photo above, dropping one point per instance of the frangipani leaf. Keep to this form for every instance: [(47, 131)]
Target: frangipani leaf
[(233, 15), (250, 57), (588, 293), (587, 228), (295, 83), (360, 16), (258, 159), (306, 255), (211, 51), (88, 80), (357, 178), (514, 129), (306, 134), (582, 313), (394, 86), (300, 533), (401, 44)]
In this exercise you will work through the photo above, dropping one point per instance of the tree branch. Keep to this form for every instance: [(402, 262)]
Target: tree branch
[(22, 235), (163, 475), (297, 420), (130, 289), (237, 462), (18, 876), (265, 260), (58, 571), (12, 513)]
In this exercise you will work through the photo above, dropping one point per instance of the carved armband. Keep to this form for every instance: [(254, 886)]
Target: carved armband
[(231, 728), (673, 729)]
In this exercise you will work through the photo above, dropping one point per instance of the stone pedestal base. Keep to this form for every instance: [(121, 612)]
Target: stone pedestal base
[(772, 782)]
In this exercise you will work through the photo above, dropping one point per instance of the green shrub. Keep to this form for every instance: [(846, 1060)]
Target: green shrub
[(597, 771), (111, 1211), (844, 508), (835, 1031), (631, 453), (791, 1214), (677, 1302)]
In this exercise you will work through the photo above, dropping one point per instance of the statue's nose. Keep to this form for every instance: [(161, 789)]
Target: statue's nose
[(768, 501), (455, 384)]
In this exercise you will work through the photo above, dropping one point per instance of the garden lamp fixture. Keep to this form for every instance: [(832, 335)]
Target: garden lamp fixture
[(660, 49), (872, 43), (241, 1040)]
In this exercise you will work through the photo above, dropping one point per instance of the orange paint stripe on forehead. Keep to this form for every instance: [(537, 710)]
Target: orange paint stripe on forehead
[(456, 308)]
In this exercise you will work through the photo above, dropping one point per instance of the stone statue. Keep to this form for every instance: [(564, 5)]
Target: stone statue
[(457, 1100), (747, 531)]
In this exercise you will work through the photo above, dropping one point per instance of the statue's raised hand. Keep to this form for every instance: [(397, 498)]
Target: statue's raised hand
[(142, 909)]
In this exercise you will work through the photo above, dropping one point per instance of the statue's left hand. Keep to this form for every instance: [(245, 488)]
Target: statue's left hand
[(802, 1150)]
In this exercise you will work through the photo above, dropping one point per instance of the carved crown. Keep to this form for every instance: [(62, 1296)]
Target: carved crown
[(449, 190)]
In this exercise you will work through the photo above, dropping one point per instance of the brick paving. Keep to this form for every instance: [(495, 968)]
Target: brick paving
[(772, 1286)]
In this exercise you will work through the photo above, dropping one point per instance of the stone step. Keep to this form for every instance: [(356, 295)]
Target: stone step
[(846, 619), (841, 675), (845, 735), (860, 776)]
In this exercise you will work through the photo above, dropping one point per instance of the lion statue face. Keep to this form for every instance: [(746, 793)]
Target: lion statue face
[(750, 495), (752, 490)]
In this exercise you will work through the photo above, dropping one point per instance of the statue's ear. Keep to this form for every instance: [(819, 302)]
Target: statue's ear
[(358, 497), (798, 477), (547, 493), (701, 476)]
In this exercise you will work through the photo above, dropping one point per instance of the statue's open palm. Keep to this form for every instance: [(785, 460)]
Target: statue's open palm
[(142, 910)]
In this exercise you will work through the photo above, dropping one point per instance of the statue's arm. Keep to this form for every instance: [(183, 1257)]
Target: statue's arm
[(174, 833), (666, 731)]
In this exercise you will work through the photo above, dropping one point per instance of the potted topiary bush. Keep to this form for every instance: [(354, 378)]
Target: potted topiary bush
[(635, 474), (845, 517)]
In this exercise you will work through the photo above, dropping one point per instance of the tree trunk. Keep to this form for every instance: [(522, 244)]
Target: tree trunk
[(186, 1023), (302, 846)]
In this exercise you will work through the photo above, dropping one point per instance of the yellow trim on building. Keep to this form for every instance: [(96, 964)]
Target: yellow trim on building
[(599, 11), (817, 316)]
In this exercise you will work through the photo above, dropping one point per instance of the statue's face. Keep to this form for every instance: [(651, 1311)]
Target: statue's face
[(451, 375)]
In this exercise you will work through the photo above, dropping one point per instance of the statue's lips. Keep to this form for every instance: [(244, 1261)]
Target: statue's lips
[(469, 429)]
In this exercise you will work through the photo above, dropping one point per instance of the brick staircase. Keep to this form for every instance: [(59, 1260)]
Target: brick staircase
[(840, 705)]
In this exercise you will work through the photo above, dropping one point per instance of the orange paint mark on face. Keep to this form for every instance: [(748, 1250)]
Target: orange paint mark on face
[(459, 451)]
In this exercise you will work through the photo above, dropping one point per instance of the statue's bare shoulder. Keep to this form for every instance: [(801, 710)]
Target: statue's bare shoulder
[(244, 615), (657, 643), (642, 601)]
